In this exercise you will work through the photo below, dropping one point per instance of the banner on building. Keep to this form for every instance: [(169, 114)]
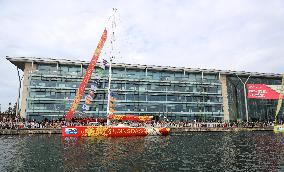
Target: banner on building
[(262, 91)]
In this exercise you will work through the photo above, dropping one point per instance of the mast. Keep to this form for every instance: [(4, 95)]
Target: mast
[(109, 90), (279, 104), (113, 25)]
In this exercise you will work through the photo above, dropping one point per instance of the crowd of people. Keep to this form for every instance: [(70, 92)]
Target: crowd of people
[(17, 123)]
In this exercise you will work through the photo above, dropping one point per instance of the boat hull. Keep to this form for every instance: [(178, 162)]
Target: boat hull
[(111, 131), (278, 128)]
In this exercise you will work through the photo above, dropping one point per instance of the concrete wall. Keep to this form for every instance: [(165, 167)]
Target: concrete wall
[(173, 131), (216, 129), (29, 131), (29, 68), (223, 81)]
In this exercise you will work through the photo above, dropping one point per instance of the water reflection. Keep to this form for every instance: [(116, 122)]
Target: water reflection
[(211, 151), (109, 153)]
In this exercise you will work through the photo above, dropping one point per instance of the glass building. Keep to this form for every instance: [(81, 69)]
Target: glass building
[(178, 94)]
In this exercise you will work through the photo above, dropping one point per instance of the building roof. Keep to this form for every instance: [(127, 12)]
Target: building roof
[(20, 63)]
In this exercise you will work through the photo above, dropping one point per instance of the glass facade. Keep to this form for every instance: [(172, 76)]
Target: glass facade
[(176, 95)]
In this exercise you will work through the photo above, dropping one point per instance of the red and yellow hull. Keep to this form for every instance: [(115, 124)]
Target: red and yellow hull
[(110, 131)]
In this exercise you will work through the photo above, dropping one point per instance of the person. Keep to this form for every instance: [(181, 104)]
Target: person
[(120, 124)]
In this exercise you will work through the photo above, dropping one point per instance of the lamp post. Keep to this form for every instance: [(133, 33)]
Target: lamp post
[(245, 94)]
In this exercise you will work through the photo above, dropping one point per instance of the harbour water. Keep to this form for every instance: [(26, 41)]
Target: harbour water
[(194, 151)]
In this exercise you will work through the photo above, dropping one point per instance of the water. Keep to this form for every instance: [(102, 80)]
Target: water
[(197, 151)]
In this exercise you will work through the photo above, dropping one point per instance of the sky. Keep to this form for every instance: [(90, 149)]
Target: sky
[(244, 35)]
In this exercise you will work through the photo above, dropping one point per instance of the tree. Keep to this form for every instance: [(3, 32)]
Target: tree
[(11, 111), (14, 109)]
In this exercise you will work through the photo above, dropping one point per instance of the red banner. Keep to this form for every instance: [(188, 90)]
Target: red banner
[(131, 118), (262, 91), (87, 76)]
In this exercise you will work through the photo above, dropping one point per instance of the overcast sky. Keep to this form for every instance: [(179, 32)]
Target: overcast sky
[(246, 35)]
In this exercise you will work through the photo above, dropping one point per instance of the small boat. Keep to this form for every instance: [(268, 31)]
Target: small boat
[(112, 131), (278, 128)]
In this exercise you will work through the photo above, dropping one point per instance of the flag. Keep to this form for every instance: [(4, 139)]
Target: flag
[(85, 107), (87, 101), (91, 93), (111, 104), (94, 87), (111, 111), (112, 99), (105, 62)]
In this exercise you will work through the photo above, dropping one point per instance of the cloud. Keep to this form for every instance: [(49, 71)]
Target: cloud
[(235, 35), (230, 35)]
